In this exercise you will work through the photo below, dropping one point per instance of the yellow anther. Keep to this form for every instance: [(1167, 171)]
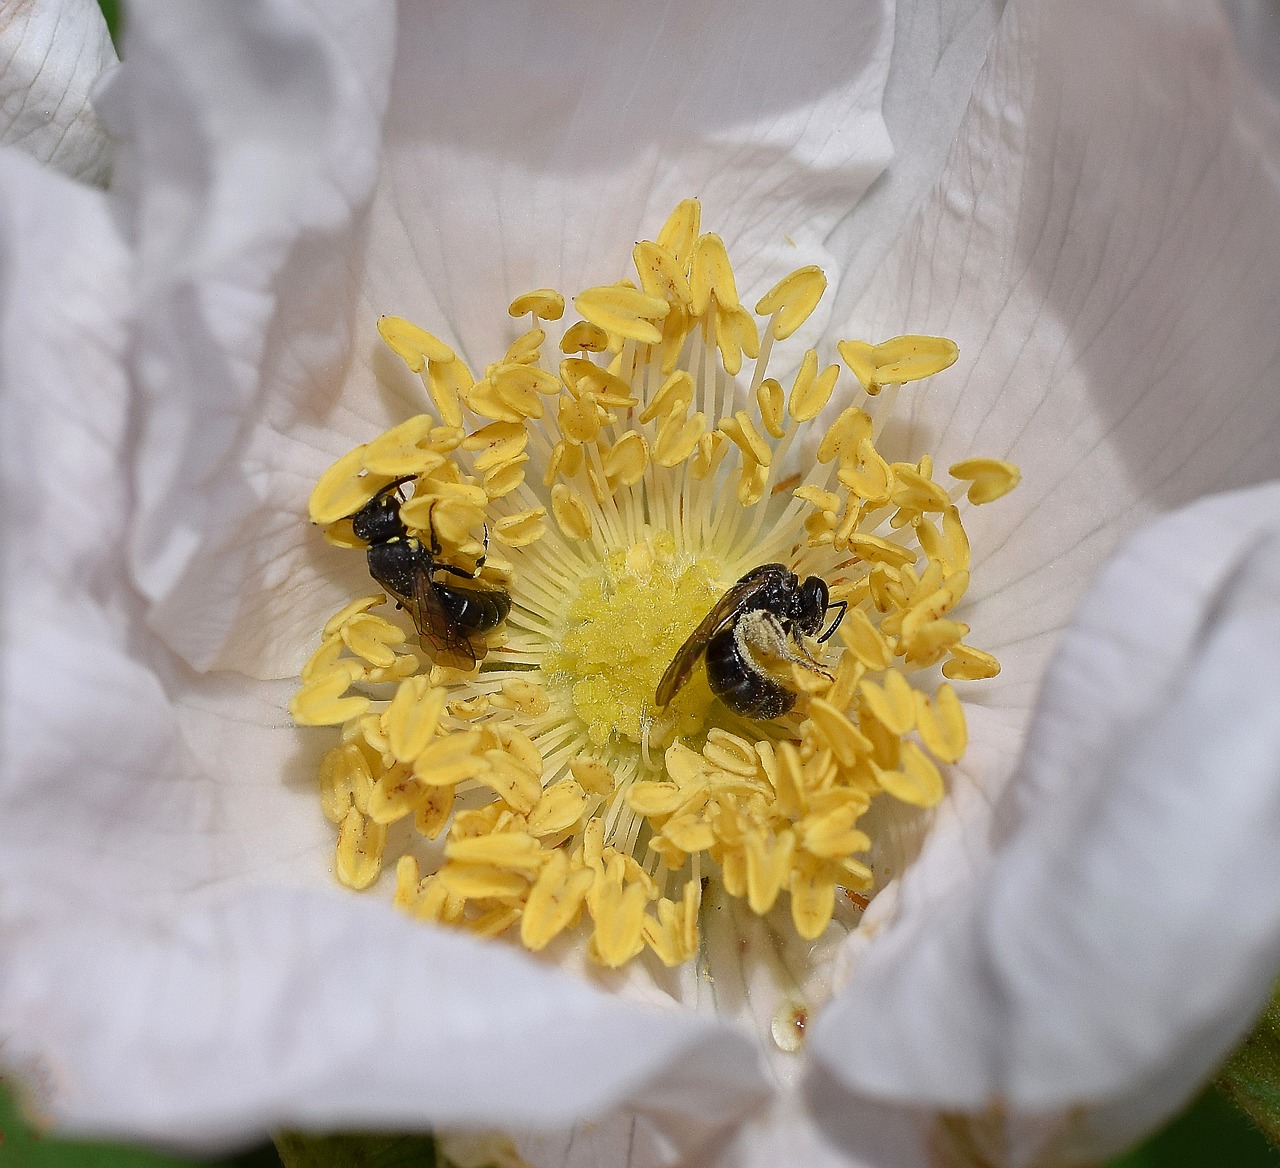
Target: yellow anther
[(396, 794), (451, 759), (358, 858), (877, 550), (526, 697), (495, 443), (812, 390), (735, 336), (454, 518), (673, 397), (674, 935), (580, 418), (413, 345), (838, 732), (584, 337), (370, 637), (401, 451), (970, 664), (846, 432), (526, 349), (652, 799), (324, 701), (447, 383), (544, 303), (481, 881), (864, 640), (501, 480), (898, 360), (866, 474), (325, 657), (565, 461), (592, 775), (813, 896), (793, 299), (893, 704), (742, 432), (731, 746), (511, 781), (678, 438), (341, 534), (625, 312), (504, 401), (918, 782), (711, 272), (581, 377), (817, 497), (413, 717), (680, 231), (570, 512), (661, 274), (915, 492), (345, 781), (619, 916), (752, 482), (432, 813), (555, 900), (515, 850), (689, 833), (469, 709), (521, 529), (343, 490), (928, 643), (771, 402), (626, 461), (710, 450), (941, 723), (768, 867), (559, 810), (334, 625), (831, 834), (990, 478)]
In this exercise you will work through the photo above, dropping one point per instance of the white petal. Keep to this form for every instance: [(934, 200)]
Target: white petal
[(1101, 245), (318, 1011), (253, 143), (938, 50), (1127, 930), (52, 54), (534, 148), (140, 994), (518, 151)]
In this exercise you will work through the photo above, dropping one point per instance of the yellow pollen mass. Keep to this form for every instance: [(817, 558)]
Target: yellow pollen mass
[(548, 531), (623, 628)]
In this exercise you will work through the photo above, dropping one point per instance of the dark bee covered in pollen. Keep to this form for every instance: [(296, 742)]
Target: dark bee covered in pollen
[(763, 615), (446, 615)]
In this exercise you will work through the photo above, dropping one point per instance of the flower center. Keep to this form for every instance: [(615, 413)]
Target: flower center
[(626, 586), (625, 625)]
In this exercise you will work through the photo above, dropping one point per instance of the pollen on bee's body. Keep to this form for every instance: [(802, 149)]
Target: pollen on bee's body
[(621, 479)]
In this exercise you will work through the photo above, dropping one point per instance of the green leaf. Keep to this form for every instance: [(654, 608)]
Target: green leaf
[(1251, 1078), (357, 1151)]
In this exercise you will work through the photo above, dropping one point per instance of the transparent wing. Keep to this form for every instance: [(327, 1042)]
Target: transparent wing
[(740, 598)]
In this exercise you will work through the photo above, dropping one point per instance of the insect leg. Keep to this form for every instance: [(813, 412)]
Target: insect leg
[(843, 606)]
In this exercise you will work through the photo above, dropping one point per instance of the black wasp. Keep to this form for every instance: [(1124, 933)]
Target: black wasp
[(765, 612), (445, 615)]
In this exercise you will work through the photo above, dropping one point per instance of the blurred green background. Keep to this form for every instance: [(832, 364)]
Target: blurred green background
[(1211, 1134)]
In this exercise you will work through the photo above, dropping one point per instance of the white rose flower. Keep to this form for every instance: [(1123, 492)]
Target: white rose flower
[(1093, 215)]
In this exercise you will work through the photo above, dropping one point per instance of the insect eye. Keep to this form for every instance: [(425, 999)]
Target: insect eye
[(812, 605)]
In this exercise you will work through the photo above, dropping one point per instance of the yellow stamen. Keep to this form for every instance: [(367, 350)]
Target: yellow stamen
[(613, 497)]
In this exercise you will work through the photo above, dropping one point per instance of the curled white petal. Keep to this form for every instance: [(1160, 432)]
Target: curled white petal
[(1126, 930), (52, 55)]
